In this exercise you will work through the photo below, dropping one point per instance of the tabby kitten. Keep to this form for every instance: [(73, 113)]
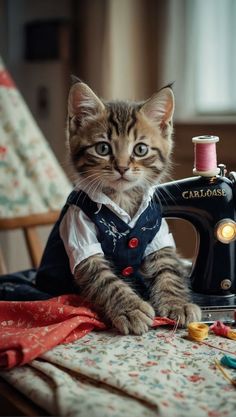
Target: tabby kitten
[(123, 149)]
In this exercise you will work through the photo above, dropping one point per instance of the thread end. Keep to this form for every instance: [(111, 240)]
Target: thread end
[(205, 139)]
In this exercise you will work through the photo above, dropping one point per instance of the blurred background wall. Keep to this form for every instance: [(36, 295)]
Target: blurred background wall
[(128, 49)]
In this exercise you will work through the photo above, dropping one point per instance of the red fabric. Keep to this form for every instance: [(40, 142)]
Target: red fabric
[(30, 328), (6, 80)]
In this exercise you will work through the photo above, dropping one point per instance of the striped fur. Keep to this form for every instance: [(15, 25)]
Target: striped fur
[(170, 295), (124, 129), (113, 298)]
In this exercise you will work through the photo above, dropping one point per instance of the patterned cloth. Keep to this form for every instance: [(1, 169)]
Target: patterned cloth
[(109, 375), (30, 328), (31, 179)]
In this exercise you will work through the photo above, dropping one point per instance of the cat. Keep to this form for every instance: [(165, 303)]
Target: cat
[(123, 148), (121, 254)]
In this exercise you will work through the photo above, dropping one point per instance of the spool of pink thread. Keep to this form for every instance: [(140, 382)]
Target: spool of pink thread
[(205, 160)]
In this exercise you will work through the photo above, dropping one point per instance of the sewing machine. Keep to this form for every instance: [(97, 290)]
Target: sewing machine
[(208, 202)]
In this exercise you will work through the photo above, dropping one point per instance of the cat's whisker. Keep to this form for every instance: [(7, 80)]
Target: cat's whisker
[(89, 181), (97, 188), (92, 171), (91, 184), (172, 198), (160, 197), (150, 184), (175, 184), (94, 187), (83, 181)]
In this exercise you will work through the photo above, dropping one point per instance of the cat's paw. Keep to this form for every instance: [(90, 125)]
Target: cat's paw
[(183, 313), (136, 321)]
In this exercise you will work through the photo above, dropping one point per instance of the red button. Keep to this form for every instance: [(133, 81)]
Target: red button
[(127, 271), (133, 243)]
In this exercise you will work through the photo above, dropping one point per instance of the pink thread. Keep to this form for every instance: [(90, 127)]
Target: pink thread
[(168, 338), (220, 329), (205, 157)]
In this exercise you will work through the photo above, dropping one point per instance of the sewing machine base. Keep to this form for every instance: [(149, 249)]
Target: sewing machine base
[(215, 307)]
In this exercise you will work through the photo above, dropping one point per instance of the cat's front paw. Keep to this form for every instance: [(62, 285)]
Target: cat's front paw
[(182, 313), (136, 321)]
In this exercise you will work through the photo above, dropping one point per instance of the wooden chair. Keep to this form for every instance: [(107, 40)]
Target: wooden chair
[(28, 225)]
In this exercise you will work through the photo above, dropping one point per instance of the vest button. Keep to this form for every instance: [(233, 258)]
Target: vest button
[(133, 243), (127, 271)]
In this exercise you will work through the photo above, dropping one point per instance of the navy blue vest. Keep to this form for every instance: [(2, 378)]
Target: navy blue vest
[(122, 245)]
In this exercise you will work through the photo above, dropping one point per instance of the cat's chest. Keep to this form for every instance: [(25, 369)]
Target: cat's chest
[(128, 203)]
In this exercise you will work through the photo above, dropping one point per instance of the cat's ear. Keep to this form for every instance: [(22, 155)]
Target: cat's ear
[(83, 103), (160, 109)]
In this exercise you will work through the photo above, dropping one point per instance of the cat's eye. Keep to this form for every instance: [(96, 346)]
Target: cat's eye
[(103, 149), (141, 149)]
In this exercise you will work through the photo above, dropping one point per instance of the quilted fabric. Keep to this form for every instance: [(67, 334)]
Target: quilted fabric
[(33, 181)]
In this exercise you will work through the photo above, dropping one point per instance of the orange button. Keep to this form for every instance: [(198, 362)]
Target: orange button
[(133, 243), (127, 271)]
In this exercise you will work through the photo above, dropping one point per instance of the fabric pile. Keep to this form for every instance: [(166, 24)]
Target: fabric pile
[(30, 328)]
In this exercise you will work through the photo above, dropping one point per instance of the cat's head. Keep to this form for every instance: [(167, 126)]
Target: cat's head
[(119, 145)]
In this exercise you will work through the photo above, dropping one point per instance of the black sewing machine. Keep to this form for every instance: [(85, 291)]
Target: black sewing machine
[(208, 203)]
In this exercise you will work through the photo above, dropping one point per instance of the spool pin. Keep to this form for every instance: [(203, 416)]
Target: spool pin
[(205, 160)]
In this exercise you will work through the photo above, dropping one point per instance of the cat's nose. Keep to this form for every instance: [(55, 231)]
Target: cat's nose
[(121, 169)]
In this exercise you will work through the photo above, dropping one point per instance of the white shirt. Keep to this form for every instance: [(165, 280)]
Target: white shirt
[(79, 233)]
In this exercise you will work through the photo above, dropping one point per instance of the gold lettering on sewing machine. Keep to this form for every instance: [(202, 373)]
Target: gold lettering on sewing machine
[(216, 192)]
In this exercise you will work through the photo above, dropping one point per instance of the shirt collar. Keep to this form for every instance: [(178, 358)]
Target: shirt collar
[(101, 198)]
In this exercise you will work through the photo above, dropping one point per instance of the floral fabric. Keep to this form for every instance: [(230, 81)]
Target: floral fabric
[(30, 328), (32, 181), (106, 374)]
